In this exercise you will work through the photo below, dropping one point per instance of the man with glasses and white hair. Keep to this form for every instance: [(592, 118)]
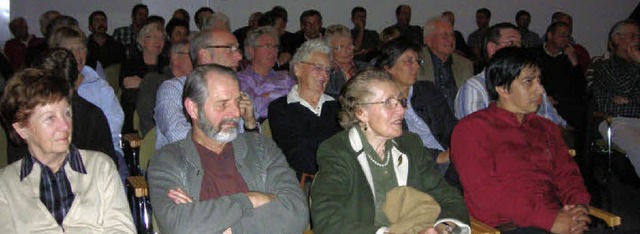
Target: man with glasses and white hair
[(207, 47), (259, 80), (218, 180), (616, 89)]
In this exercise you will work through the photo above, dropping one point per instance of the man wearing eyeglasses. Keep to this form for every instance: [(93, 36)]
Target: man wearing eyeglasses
[(259, 80), (207, 47), (473, 96), (616, 89), (442, 66)]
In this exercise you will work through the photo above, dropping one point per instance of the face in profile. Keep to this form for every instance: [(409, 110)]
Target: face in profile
[(383, 111)]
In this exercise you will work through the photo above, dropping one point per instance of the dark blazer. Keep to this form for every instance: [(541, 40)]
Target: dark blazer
[(432, 107), (342, 200)]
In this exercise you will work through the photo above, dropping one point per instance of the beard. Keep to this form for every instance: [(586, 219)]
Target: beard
[(219, 134)]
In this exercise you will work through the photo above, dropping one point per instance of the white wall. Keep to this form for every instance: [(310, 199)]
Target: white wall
[(592, 18)]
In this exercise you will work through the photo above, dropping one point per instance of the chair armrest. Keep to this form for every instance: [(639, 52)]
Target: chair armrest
[(139, 186), (610, 219), (478, 227)]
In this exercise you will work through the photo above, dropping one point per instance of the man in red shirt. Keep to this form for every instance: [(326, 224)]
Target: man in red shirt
[(514, 166), (20, 50)]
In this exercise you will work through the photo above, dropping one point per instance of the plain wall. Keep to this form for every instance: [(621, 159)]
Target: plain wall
[(592, 18)]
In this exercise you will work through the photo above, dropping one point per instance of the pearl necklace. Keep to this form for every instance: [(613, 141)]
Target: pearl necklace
[(386, 161)]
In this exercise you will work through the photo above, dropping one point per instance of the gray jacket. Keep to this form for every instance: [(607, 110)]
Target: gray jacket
[(262, 166)]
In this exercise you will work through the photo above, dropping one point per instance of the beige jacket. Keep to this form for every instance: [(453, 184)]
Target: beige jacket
[(100, 205)]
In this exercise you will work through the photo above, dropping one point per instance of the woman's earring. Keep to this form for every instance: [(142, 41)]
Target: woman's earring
[(365, 127)]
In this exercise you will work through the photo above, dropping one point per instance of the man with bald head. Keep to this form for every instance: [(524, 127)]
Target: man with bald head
[(207, 47)]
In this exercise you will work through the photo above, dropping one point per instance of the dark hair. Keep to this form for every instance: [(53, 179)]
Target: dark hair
[(556, 15), (155, 19), (400, 7), (356, 10), (61, 62), (521, 13), (493, 35), (308, 13), (283, 12), (184, 12), (138, 7), (393, 49), (173, 23), (505, 66), (28, 89), (269, 18), (484, 11), (555, 25), (96, 13), (200, 11)]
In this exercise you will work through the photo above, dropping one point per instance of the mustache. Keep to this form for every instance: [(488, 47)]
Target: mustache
[(235, 121)]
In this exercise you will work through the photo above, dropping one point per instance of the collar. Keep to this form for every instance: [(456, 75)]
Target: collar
[(359, 143), (73, 158), (89, 74), (294, 97), (252, 72), (508, 117), (544, 47), (436, 60)]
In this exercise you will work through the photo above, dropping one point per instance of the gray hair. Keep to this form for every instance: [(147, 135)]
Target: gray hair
[(430, 25), (254, 34), (147, 29), (356, 91), (305, 50), (200, 41), (336, 30), (208, 22), (617, 29), (195, 87), (178, 47)]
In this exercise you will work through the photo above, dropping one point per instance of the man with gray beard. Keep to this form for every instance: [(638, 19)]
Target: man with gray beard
[(217, 180)]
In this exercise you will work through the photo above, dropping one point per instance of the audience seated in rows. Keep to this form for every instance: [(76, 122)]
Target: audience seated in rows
[(361, 167), (259, 80), (133, 71), (217, 179), (207, 47), (616, 89), (306, 116), (514, 166), (446, 69), (473, 95), (54, 187), (427, 113)]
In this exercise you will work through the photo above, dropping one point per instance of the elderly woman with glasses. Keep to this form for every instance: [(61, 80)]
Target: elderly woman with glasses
[(55, 187), (151, 42), (361, 166), (259, 80), (428, 113), (306, 116), (343, 66)]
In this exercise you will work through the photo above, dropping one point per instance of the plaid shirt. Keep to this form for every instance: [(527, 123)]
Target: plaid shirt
[(55, 189), (617, 77), (126, 36)]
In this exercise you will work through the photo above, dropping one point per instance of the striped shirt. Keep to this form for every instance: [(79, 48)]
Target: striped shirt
[(473, 96), (55, 189)]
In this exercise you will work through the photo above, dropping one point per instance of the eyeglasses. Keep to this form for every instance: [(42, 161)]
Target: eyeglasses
[(411, 61), (230, 48), (389, 103), (319, 68), (344, 47), (268, 46)]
